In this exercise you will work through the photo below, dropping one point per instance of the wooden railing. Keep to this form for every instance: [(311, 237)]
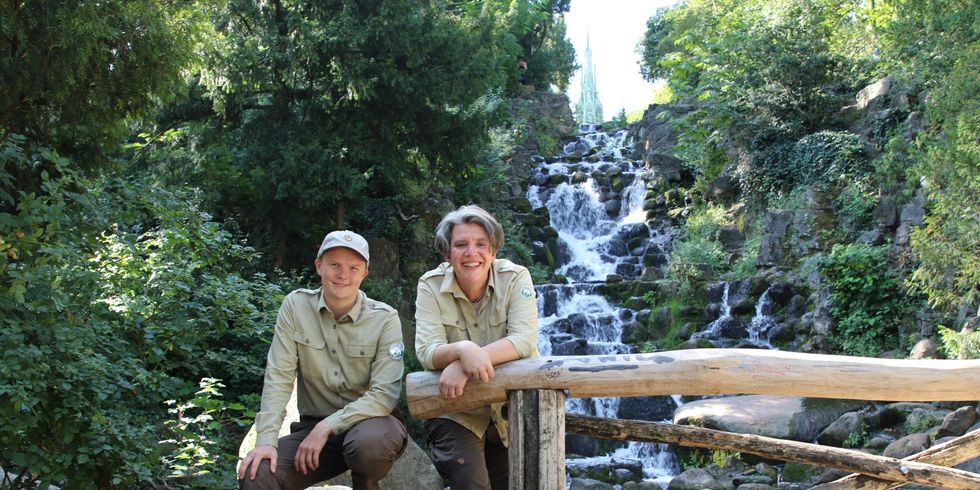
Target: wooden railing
[(536, 389)]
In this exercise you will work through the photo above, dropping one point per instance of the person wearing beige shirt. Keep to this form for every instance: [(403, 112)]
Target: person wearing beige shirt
[(344, 350), (472, 313)]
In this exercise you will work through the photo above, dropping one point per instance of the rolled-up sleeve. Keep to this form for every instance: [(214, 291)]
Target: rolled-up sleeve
[(522, 315), (429, 331), (280, 372), (386, 378)]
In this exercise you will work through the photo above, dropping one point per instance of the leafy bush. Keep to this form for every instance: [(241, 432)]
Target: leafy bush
[(960, 345), (828, 160), (867, 301), (698, 253), (117, 296)]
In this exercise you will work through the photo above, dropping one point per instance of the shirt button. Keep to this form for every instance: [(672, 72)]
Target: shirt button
[(362, 353), (457, 322), (474, 325), (335, 373), (333, 351), (335, 327)]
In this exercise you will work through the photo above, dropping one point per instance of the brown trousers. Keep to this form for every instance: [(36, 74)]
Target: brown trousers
[(368, 449), (467, 461)]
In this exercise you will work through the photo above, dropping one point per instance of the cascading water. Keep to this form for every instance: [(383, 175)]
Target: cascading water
[(596, 208), (728, 330)]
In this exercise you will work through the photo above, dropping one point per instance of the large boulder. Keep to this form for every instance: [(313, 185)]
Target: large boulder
[(793, 418), (710, 478)]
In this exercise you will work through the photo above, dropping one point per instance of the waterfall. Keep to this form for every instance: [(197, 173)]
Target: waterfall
[(595, 198)]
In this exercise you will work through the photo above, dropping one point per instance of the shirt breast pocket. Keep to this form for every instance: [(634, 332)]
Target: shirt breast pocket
[(357, 366), (307, 341), (455, 328)]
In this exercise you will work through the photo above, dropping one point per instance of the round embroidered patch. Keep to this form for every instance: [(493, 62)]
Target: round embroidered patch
[(526, 292), (395, 351)]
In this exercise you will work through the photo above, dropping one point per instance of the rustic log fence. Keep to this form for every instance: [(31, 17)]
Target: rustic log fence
[(536, 389)]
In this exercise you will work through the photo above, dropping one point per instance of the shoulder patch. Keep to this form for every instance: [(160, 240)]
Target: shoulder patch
[(377, 305), (527, 292), (395, 351), (433, 273)]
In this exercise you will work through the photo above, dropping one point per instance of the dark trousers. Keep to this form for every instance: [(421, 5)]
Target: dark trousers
[(368, 449), (467, 461)]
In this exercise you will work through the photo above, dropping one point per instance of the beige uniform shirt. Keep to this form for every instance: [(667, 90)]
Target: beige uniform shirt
[(347, 370), (444, 315)]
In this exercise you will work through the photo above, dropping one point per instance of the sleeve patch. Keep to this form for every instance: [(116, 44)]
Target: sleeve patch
[(396, 351), (527, 292)]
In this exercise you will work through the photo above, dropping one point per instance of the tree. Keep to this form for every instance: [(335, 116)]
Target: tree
[(323, 105), (72, 71)]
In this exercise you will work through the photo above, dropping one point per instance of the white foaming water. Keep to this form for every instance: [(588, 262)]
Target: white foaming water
[(597, 208)]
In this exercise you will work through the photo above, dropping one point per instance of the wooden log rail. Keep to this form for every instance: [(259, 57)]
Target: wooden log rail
[(709, 372), (537, 387), (886, 471)]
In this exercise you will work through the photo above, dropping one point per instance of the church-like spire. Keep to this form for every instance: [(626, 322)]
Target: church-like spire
[(589, 109)]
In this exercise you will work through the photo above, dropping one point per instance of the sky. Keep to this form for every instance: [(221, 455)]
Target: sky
[(614, 28)]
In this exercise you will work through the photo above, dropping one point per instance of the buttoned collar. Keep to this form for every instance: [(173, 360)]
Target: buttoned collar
[(449, 284), (355, 310)]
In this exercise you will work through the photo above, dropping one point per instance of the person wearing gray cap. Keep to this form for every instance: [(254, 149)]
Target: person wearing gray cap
[(344, 350)]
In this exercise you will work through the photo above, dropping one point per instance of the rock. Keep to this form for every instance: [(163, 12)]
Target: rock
[(839, 430), (651, 408), (907, 446), (914, 213), (580, 445), (711, 478), (914, 124), (754, 486), (957, 422), (777, 222), (641, 485), (614, 470), (872, 237), (588, 484), (885, 213), (925, 349), (794, 418), (771, 251)]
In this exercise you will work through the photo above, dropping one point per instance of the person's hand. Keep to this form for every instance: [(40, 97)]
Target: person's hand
[(476, 363), (254, 459), (308, 453), (452, 380)]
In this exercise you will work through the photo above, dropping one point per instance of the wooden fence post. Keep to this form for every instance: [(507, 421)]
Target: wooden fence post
[(537, 439)]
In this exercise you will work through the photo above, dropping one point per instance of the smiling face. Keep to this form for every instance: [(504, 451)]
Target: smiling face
[(471, 255), (341, 272)]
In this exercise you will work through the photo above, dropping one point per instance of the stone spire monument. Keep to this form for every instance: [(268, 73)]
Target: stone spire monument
[(589, 109)]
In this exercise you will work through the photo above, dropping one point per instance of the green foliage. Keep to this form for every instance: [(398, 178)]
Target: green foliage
[(698, 253), (827, 160), (960, 345), (200, 454), (948, 161), (857, 439), (70, 72), (867, 300), (923, 422), (117, 294)]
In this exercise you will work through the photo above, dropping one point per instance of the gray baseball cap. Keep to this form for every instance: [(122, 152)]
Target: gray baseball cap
[(345, 238)]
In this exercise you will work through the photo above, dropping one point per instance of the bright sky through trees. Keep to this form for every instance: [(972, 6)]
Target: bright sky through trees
[(614, 28)]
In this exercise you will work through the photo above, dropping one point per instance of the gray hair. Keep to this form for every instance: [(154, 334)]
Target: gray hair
[(469, 214)]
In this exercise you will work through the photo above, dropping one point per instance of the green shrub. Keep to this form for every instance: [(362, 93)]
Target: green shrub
[(867, 301), (118, 295), (698, 253), (960, 345), (828, 160)]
